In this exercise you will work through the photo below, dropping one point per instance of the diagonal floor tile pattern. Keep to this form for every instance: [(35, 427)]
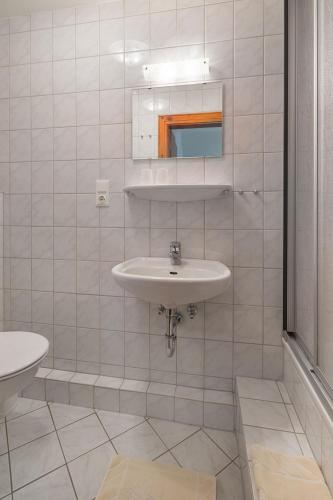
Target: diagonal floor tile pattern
[(33, 460), (198, 452), (81, 437), (64, 415), (172, 433), (89, 470), (140, 442), (27, 428), (62, 451)]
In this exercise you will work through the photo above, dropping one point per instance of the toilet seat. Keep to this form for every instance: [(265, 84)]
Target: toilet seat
[(19, 351)]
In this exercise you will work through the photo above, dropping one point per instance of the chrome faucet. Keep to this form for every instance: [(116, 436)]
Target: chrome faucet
[(175, 253)]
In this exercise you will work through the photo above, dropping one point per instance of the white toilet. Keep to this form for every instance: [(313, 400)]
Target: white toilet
[(21, 354)]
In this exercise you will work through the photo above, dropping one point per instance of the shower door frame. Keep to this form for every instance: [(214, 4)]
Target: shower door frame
[(308, 360)]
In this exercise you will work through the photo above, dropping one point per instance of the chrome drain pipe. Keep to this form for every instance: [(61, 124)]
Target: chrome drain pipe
[(173, 318)]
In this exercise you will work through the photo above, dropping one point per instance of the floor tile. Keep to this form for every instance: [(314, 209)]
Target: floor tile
[(229, 484), (82, 436), (265, 414), (65, 414), (54, 486), (35, 459), (172, 433), (89, 470), (23, 406), (253, 388), (117, 423), (167, 458), (4, 476), (38, 463), (33, 425), (226, 440), (282, 442), (140, 442), (294, 419), (304, 444), (284, 392), (3, 439), (198, 452)]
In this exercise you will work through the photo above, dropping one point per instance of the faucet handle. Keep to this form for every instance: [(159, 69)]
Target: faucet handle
[(175, 253), (175, 246)]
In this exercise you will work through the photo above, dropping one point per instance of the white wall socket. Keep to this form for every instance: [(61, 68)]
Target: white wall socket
[(102, 192)]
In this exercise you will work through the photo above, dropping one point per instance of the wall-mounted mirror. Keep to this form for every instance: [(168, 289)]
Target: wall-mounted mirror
[(182, 121)]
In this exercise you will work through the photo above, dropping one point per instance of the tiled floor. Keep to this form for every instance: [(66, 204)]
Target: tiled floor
[(266, 417), (54, 451), (269, 418)]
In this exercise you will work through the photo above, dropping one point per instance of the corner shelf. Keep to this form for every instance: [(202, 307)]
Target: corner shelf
[(177, 192)]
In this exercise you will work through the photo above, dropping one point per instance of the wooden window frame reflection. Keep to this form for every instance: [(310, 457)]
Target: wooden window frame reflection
[(165, 122)]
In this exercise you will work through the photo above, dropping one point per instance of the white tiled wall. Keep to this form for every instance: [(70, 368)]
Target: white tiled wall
[(65, 97), (315, 421)]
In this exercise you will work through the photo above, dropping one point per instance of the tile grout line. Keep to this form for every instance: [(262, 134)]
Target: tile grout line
[(165, 453), (268, 428), (160, 438), (183, 440), (78, 420), (62, 451), (32, 441), (102, 425), (232, 459), (87, 452), (37, 479), (262, 400), (235, 463), (224, 468), (28, 412), (123, 432), (291, 420)]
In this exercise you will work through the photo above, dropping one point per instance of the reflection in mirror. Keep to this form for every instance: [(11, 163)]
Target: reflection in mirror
[(183, 121)]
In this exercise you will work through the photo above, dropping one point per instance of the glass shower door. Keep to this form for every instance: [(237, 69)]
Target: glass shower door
[(310, 183), (325, 189), (305, 158)]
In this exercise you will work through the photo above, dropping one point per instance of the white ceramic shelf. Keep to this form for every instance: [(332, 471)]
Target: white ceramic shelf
[(177, 192)]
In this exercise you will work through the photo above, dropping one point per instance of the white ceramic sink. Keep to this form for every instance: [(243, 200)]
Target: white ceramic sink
[(157, 280)]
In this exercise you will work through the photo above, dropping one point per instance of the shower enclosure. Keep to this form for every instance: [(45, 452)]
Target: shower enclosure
[(309, 203)]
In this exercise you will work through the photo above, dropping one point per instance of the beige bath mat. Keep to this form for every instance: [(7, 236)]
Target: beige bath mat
[(284, 477), (133, 479)]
